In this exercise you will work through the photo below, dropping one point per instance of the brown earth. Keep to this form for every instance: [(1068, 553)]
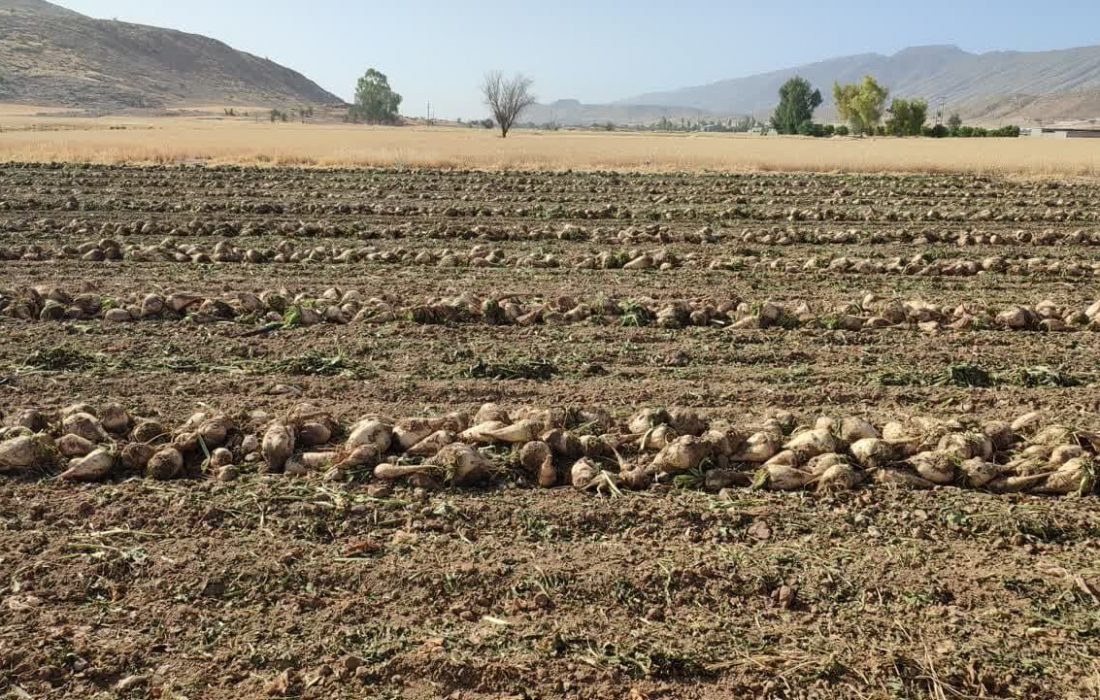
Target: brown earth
[(279, 586)]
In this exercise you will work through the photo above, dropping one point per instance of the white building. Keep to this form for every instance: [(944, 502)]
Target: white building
[(1064, 132)]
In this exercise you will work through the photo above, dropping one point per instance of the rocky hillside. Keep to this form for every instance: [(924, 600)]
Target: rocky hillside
[(52, 56)]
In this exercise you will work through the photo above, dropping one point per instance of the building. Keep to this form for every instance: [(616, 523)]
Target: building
[(1065, 132)]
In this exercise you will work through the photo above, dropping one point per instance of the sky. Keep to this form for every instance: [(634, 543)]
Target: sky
[(596, 51)]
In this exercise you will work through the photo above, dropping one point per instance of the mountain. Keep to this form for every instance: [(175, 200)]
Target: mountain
[(1002, 85), (50, 55), (37, 6), (575, 113)]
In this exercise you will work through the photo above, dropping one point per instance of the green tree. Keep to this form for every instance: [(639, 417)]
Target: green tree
[(861, 104), (845, 98), (375, 100), (907, 117), (899, 117), (954, 123), (918, 115), (797, 102)]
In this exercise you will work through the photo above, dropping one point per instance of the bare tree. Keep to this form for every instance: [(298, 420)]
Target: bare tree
[(507, 98)]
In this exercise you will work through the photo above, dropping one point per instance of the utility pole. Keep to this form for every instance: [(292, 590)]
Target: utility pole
[(939, 111)]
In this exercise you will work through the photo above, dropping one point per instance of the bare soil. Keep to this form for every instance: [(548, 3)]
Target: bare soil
[(291, 587)]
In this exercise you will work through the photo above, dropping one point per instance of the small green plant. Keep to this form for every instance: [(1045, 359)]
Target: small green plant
[(966, 374), (292, 318), (900, 379), (692, 480), (538, 370), (1043, 375), (634, 315), (320, 365), (493, 313), (1091, 482), (58, 359)]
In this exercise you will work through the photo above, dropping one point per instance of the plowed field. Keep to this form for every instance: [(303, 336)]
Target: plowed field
[(423, 434)]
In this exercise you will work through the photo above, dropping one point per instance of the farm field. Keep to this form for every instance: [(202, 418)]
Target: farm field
[(527, 434), (30, 134)]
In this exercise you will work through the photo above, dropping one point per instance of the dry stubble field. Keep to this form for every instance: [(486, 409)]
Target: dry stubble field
[(934, 535), (31, 134)]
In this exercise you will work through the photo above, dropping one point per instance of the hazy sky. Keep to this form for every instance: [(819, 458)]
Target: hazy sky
[(594, 51)]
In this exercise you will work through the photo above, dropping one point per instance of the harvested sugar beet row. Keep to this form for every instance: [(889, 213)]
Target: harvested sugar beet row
[(586, 447), (762, 233), (329, 202), (633, 260), (337, 306)]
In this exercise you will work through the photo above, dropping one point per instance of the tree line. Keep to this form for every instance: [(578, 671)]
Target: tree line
[(378, 103), (863, 107)]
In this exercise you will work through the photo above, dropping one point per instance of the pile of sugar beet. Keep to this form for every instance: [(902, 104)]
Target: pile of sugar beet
[(587, 448)]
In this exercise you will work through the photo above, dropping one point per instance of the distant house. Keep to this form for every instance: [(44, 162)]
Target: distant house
[(1065, 132)]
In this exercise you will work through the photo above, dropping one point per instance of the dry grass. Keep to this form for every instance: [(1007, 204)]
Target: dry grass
[(28, 136)]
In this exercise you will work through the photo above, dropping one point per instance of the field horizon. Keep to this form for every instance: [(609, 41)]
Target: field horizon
[(30, 136)]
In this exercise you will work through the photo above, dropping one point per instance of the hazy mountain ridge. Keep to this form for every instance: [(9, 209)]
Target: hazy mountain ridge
[(53, 56), (576, 113), (1003, 85)]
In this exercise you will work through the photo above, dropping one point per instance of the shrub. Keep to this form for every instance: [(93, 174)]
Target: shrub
[(966, 132), (1006, 132)]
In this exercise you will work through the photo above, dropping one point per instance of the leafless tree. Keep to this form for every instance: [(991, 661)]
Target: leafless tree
[(507, 98)]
